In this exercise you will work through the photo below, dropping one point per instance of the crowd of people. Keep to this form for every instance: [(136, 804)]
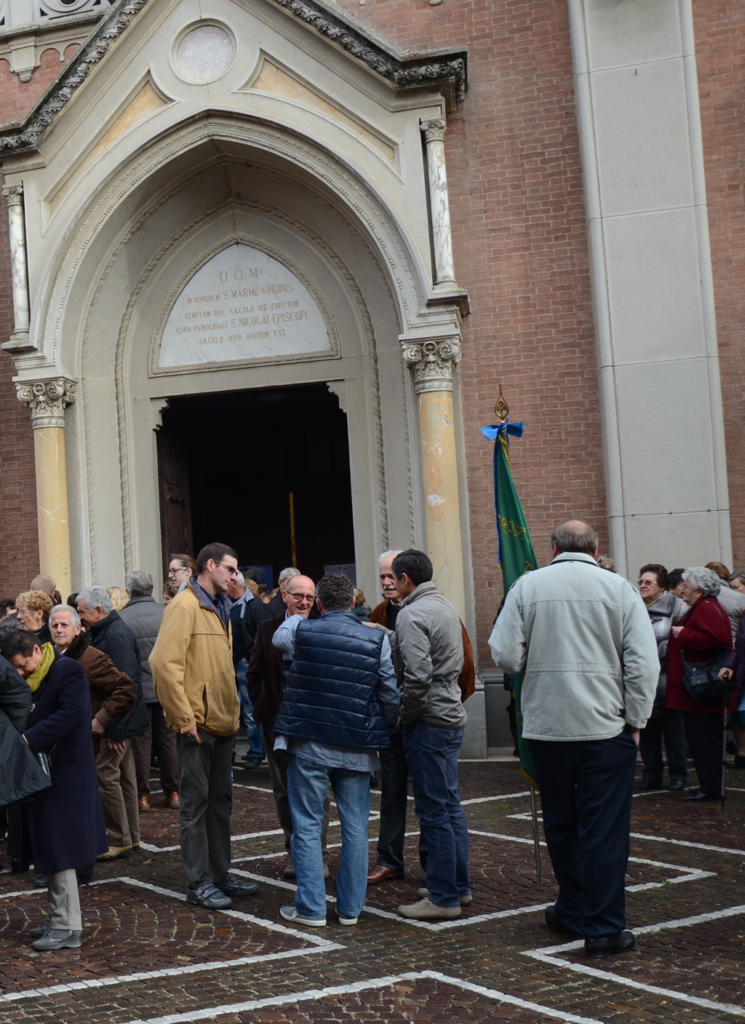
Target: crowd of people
[(333, 694)]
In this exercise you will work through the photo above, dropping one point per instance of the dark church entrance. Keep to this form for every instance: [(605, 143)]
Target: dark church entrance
[(264, 471)]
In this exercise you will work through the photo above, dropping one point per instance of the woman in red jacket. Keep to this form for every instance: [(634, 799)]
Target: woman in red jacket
[(702, 634)]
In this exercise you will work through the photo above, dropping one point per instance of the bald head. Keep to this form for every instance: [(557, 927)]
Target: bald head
[(575, 536), (45, 583), (299, 595)]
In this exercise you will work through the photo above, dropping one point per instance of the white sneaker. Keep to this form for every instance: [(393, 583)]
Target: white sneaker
[(465, 901), (291, 914), (348, 920), (426, 910)]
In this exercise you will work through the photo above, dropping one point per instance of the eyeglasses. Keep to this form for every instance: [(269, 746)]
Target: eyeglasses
[(180, 568), (232, 571), (301, 597)]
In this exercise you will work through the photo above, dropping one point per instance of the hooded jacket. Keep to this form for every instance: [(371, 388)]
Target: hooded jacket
[(192, 663)]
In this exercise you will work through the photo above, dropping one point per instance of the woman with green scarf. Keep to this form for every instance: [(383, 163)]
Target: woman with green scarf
[(65, 822)]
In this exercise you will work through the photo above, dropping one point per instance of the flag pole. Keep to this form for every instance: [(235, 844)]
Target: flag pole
[(502, 411)]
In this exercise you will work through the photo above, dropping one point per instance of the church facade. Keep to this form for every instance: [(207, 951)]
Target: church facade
[(264, 265)]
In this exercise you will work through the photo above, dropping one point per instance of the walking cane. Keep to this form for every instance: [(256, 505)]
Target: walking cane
[(724, 743), (536, 835)]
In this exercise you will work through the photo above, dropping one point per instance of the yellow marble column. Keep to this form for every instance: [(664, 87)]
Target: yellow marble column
[(47, 401), (433, 362)]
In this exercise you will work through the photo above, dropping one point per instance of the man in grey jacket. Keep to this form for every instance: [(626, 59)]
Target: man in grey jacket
[(144, 616), (428, 651), (583, 638)]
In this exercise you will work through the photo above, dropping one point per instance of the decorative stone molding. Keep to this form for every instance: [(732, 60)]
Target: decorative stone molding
[(433, 130), (447, 69), (47, 400), (18, 261), (433, 362)]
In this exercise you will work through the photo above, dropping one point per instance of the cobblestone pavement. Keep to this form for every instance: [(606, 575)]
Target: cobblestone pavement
[(147, 956)]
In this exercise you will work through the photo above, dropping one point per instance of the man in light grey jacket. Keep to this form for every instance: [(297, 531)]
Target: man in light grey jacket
[(428, 652), (583, 638)]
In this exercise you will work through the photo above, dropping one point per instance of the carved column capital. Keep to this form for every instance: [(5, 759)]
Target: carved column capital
[(433, 362), (433, 129), (13, 194), (47, 400)]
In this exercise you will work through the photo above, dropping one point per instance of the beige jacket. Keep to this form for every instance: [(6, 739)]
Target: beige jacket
[(192, 664)]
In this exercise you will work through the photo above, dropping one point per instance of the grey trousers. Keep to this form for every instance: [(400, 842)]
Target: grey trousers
[(117, 784), (64, 901), (206, 793), (278, 764)]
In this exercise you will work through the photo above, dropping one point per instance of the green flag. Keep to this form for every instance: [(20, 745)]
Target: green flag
[(516, 554)]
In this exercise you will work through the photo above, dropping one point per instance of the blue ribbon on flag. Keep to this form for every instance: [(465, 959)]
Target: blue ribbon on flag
[(491, 433)]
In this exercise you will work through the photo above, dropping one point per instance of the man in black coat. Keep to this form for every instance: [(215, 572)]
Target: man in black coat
[(65, 822), (258, 612), (115, 764)]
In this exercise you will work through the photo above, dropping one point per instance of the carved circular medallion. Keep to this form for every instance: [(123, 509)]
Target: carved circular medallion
[(204, 54)]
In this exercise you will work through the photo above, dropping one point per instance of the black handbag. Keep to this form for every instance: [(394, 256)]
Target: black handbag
[(702, 681)]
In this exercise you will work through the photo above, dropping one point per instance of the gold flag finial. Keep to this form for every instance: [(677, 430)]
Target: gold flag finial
[(501, 409)]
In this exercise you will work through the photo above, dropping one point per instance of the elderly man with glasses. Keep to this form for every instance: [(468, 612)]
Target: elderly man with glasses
[(267, 673), (192, 665)]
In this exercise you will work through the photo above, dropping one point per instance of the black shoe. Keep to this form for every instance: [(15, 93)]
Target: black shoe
[(41, 882), (650, 784), (233, 887), (608, 945), (18, 866), (739, 761), (36, 933), (699, 795), (676, 785), (555, 923), (208, 896), (58, 939)]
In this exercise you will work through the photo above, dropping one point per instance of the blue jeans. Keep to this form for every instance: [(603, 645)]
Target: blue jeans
[(307, 786), (253, 731), (432, 755)]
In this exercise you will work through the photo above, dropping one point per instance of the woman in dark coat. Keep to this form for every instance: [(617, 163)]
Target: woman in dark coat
[(65, 822), (734, 666), (700, 635)]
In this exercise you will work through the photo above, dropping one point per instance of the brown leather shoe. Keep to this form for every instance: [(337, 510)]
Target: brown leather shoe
[(172, 800), (143, 803), (380, 873), (115, 852)]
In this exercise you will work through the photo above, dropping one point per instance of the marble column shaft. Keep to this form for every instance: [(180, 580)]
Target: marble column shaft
[(47, 401), (433, 363), (442, 242), (18, 259)]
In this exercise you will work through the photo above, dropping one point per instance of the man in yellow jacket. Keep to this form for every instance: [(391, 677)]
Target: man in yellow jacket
[(194, 680)]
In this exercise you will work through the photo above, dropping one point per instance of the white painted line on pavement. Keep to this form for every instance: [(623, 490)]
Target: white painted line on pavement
[(547, 954), (363, 986)]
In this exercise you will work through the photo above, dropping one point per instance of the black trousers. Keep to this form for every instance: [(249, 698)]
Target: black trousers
[(586, 790), (394, 792), (668, 724), (705, 735)]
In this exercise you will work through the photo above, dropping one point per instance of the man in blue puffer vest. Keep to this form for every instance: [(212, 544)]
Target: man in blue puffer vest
[(341, 695)]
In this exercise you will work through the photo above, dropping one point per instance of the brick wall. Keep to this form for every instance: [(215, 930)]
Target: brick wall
[(17, 97), (19, 545), (720, 56), (520, 240)]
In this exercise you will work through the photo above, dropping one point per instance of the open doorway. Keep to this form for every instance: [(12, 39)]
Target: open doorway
[(264, 471)]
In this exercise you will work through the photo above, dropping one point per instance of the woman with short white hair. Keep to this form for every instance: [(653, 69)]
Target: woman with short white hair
[(702, 635)]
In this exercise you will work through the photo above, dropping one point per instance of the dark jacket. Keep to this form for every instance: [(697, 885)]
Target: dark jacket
[(144, 616), (265, 671), (706, 632), (112, 693), (20, 773), (65, 821), (736, 661), (114, 637), (331, 694), (467, 677), (256, 613)]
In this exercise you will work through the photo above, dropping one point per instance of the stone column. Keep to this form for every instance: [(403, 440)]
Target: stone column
[(47, 400), (442, 242), (433, 362), (18, 262)]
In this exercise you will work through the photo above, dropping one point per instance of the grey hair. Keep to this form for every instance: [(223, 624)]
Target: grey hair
[(387, 554), (96, 597), (240, 579), (703, 579), (288, 573), (139, 584), (74, 617), (737, 576), (583, 542)]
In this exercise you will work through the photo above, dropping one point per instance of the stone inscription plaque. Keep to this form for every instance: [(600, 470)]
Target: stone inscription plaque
[(243, 304)]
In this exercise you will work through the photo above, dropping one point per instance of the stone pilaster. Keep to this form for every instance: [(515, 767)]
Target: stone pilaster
[(433, 130), (18, 262)]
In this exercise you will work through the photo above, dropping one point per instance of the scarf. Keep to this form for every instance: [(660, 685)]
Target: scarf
[(37, 676)]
